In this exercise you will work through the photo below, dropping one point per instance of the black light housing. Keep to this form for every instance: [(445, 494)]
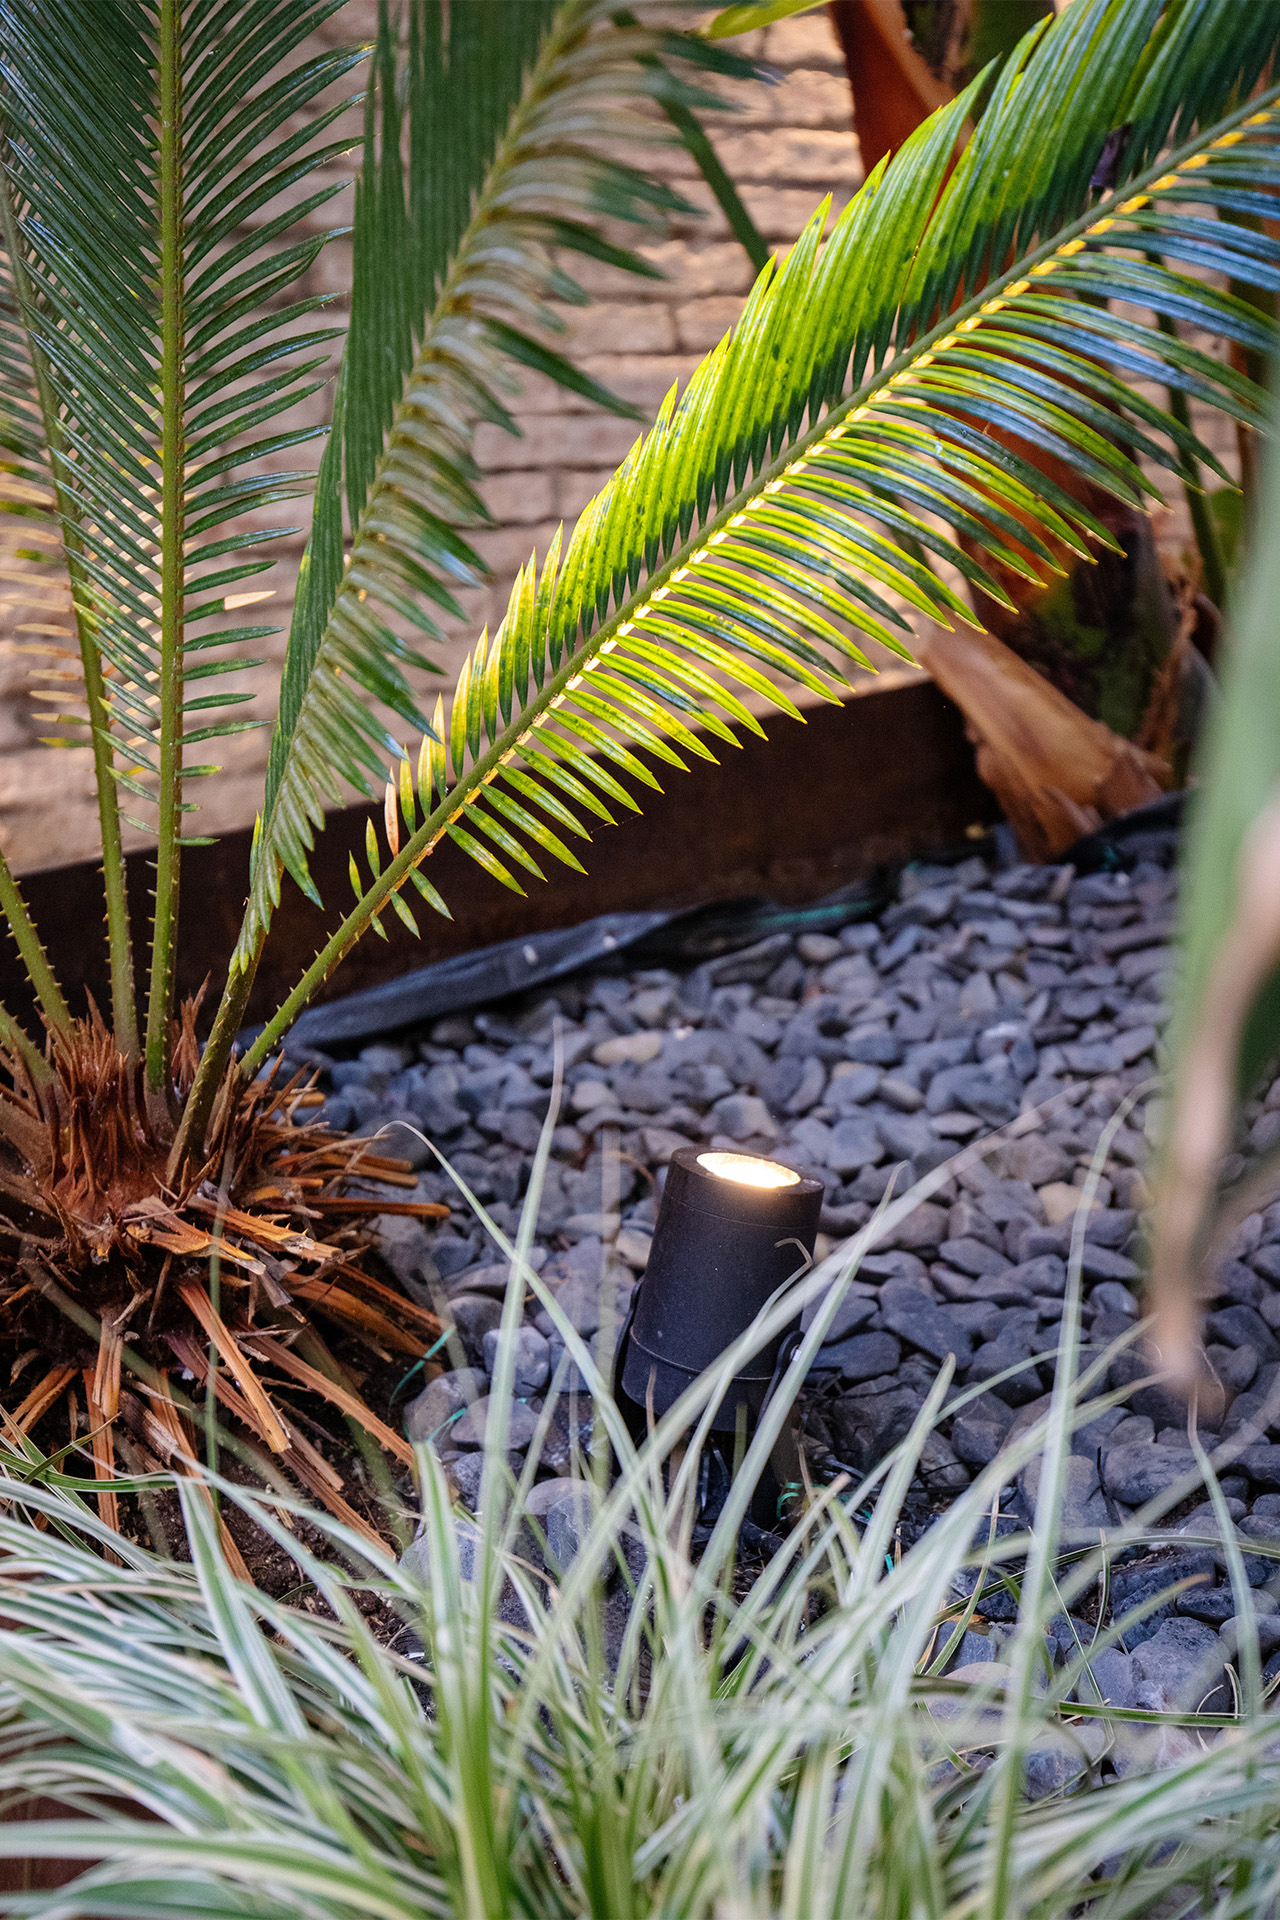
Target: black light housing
[(731, 1229)]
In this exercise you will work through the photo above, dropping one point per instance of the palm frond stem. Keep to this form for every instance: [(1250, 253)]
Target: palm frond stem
[(119, 938), (199, 1103), (172, 534), (1061, 246), (19, 1042), (48, 993)]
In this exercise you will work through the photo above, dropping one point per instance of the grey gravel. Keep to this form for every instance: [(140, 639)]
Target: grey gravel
[(866, 1055), (1141, 1582), (1264, 1627), (863, 1356), (979, 1431), (854, 1311), (936, 1331), (473, 1315), (1109, 1677), (567, 1522), (406, 1246)]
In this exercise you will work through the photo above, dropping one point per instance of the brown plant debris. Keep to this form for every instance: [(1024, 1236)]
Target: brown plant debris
[(106, 1271), (1056, 773)]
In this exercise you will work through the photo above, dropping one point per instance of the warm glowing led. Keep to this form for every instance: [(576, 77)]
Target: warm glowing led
[(747, 1170)]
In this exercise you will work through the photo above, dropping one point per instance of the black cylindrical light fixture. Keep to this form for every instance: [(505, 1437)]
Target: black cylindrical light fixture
[(731, 1229)]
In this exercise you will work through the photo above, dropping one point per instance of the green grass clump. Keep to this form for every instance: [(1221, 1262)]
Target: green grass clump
[(649, 1732)]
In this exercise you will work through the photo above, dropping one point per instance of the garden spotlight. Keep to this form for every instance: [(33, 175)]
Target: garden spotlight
[(732, 1228)]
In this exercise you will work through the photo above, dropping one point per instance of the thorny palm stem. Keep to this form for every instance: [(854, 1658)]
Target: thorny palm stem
[(189, 1140), (21, 1044), (34, 958), (172, 572)]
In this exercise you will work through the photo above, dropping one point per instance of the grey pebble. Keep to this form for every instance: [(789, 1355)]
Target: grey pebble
[(473, 1315), (567, 1523), (1136, 1474), (934, 1330), (1078, 1505), (425, 1415), (874, 1049), (1009, 1356), (979, 1430), (1213, 1605), (851, 1087), (1265, 1628), (1101, 1263), (450, 1254), (1140, 1582), (1238, 1326), (1234, 1366), (974, 1257), (1112, 1296), (906, 1136), (1267, 1262), (1262, 1464), (1180, 1666), (853, 1312), (744, 1117), (468, 1473), (1109, 1676), (853, 1144), (809, 1088), (408, 1250), (468, 1431), (532, 1359), (862, 1356)]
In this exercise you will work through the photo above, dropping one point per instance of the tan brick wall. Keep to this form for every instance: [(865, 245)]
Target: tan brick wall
[(789, 145)]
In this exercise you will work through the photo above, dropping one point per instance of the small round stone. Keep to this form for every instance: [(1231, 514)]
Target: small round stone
[(468, 1431)]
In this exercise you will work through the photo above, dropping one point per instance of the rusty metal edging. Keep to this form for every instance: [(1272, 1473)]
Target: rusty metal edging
[(881, 778)]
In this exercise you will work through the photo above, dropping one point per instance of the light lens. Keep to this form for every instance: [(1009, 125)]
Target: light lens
[(747, 1170)]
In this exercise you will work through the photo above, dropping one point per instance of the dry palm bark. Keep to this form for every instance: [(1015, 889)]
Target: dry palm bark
[(1056, 773)]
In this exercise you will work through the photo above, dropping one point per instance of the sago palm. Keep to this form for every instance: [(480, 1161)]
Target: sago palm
[(869, 416), (156, 161)]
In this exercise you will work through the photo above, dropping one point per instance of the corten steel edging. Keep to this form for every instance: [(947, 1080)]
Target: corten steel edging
[(881, 778)]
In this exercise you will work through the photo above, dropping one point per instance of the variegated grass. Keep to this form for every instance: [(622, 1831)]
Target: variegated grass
[(785, 1746)]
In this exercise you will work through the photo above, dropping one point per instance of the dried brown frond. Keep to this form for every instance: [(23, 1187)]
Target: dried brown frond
[(92, 1236)]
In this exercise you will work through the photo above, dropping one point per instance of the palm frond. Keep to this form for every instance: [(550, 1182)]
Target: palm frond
[(25, 489), (517, 192), (36, 499), (147, 153), (762, 543)]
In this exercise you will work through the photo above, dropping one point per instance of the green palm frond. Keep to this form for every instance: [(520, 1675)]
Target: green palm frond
[(148, 147), (761, 542), (415, 382), (24, 474)]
